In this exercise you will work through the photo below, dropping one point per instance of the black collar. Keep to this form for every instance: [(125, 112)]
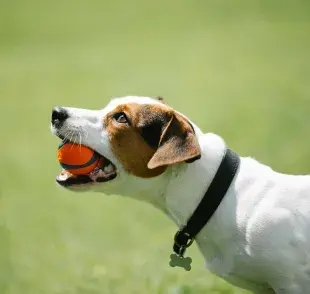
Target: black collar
[(209, 203)]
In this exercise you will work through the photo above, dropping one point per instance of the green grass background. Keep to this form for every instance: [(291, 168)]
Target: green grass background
[(237, 68)]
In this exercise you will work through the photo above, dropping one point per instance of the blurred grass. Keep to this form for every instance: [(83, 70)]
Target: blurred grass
[(237, 68)]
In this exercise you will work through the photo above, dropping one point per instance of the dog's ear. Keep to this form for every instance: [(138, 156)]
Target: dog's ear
[(177, 142), (161, 100)]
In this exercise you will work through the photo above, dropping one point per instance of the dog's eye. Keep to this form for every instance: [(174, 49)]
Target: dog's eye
[(120, 117)]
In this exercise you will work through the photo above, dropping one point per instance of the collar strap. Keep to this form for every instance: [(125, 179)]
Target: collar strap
[(209, 203)]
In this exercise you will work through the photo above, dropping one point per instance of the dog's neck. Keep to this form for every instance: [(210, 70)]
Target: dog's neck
[(186, 186), (189, 182), (180, 189)]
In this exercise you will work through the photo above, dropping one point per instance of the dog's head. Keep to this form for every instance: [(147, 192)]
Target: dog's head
[(138, 138)]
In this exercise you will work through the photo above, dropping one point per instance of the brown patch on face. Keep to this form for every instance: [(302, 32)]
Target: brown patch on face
[(151, 138), (128, 145)]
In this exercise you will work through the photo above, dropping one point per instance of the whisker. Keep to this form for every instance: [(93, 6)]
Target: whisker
[(72, 134), (67, 135), (85, 132), (80, 141), (67, 132), (76, 137)]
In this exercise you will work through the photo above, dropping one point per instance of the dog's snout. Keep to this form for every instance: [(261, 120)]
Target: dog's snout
[(59, 115)]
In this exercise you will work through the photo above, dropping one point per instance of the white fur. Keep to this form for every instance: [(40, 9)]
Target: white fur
[(258, 238)]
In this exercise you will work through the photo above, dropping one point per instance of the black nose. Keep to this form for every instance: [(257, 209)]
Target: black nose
[(59, 115)]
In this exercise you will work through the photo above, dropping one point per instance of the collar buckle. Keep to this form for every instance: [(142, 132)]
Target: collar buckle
[(182, 240)]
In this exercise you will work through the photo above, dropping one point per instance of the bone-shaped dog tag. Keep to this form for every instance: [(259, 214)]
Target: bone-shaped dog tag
[(176, 260)]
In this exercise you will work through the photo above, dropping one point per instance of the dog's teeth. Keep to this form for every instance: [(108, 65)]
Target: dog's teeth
[(108, 169)]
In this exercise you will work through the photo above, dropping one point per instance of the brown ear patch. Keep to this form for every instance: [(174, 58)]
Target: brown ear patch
[(155, 137), (178, 143), (151, 122), (161, 100)]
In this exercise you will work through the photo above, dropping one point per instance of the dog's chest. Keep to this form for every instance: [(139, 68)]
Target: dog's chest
[(223, 251), (226, 256)]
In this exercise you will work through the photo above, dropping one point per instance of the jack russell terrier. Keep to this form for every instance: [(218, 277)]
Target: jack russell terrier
[(257, 233)]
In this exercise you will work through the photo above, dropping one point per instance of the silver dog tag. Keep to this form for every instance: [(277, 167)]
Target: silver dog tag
[(180, 261)]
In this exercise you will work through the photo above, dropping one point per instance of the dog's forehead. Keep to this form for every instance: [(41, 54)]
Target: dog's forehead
[(142, 100), (115, 102)]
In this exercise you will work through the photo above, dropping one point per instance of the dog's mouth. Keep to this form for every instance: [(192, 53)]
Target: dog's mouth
[(105, 171)]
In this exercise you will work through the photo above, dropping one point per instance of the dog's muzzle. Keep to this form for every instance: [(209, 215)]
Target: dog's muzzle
[(105, 171)]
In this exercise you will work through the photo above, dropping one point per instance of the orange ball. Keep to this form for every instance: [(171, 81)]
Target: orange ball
[(77, 159)]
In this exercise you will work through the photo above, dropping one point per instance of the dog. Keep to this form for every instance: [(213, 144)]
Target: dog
[(259, 236)]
